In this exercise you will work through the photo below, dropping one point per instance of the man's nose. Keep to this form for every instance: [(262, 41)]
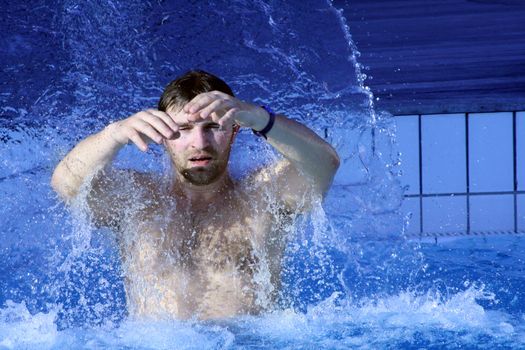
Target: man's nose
[(200, 139)]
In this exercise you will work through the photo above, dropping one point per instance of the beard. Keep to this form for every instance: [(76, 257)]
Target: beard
[(201, 176), (204, 175)]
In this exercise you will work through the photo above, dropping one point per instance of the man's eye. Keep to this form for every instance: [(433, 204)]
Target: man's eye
[(214, 126), (184, 128)]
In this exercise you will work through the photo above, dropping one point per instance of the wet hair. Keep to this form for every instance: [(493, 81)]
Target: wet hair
[(183, 89)]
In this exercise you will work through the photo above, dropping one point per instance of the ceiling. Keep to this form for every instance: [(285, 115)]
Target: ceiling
[(427, 56)]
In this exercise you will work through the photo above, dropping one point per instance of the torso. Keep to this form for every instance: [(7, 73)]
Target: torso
[(213, 262)]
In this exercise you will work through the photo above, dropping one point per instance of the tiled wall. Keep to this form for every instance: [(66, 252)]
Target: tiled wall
[(463, 173)]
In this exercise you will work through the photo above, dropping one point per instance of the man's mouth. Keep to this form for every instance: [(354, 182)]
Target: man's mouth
[(200, 160)]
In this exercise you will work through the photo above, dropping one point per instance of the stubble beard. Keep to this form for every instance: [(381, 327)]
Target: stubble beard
[(203, 175), (200, 176)]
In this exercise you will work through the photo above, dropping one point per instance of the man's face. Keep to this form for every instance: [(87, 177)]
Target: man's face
[(201, 152)]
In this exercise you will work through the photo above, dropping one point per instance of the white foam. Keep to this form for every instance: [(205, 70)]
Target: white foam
[(20, 329), (394, 319), (148, 335), (405, 318)]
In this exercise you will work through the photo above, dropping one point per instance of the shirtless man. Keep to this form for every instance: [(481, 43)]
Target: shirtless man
[(204, 244)]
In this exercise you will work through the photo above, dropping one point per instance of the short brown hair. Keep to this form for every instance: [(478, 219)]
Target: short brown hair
[(183, 89)]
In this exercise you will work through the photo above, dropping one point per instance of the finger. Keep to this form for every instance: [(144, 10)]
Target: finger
[(148, 130), (159, 125), (214, 107), (135, 137), (198, 102), (222, 94), (226, 125), (188, 106), (166, 118), (231, 112), (227, 119)]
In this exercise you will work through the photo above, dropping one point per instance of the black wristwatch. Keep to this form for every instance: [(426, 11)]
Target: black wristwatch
[(268, 126)]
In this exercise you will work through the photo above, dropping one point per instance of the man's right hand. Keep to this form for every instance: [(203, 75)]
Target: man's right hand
[(98, 150), (144, 127)]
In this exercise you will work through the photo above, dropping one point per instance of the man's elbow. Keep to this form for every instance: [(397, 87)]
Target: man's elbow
[(60, 186), (335, 162), (332, 165)]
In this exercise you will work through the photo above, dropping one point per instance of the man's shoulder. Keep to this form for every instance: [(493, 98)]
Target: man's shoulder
[(267, 173), (283, 184), (124, 194), (263, 185), (121, 187)]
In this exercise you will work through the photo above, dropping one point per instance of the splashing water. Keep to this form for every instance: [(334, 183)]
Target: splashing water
[(350, 279), (405, 321)]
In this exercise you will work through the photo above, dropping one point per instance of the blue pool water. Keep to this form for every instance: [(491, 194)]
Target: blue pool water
[(353, 279)]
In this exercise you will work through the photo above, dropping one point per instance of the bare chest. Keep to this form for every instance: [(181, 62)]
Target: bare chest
[(220, 240), (205, 262)]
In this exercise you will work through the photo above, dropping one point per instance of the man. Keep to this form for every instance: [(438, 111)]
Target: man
[(204, 244)]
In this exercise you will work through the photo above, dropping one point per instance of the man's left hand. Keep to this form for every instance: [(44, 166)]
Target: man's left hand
[(222, 107)]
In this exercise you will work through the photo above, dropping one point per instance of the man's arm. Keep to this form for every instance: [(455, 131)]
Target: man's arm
[(91, 154), (310, 163), (308, 168), (98, 150), (307, 152)]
